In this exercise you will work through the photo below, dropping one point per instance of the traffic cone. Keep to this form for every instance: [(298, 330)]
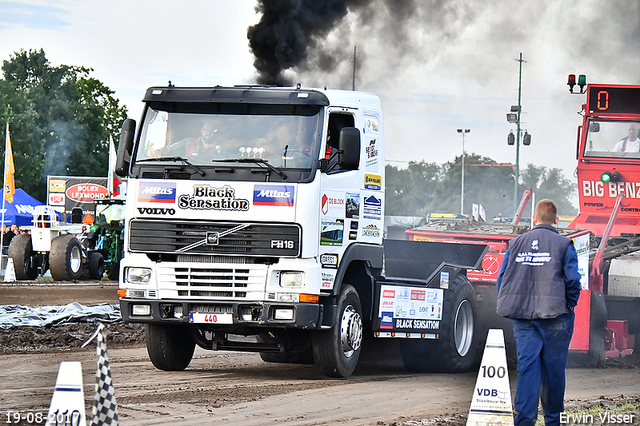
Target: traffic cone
[(67, 402), (491, 403), (9, 272)]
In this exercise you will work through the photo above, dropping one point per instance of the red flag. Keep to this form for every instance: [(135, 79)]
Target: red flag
[(112, 180)]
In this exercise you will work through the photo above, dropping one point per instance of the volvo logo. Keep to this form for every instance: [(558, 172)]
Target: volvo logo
[(212, 238)]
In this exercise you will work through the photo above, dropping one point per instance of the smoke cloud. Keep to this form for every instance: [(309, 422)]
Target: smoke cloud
[(288, 30), (315, 39), (438, 65)]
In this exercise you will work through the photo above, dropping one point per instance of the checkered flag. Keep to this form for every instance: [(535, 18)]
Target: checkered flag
[(105, 409)]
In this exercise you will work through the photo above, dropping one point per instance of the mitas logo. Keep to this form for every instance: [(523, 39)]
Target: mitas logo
[(157, 192), (87, 192), (273, 195)]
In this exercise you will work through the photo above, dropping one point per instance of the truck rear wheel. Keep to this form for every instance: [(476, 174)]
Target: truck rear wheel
[(336, 351), (458, 349), (170, 347), (24, 262), (65, 258)]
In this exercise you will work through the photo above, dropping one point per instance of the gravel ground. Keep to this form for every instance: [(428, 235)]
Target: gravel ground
[(71, 336), (66, 337)]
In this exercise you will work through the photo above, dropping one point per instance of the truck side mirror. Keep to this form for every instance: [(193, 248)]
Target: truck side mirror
[(125, 147), (349, 147)]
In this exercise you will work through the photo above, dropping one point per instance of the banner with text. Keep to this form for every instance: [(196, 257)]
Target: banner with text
[(66, 192)]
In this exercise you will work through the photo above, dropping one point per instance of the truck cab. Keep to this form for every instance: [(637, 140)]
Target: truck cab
[(609, 159), (254, 221), (608, 174), (245, 207)]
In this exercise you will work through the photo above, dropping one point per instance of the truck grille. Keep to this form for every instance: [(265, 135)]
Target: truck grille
[(219, 281), (212, 238)]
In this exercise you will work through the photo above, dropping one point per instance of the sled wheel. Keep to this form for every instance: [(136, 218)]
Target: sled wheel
[(458, 349), (65, 258)]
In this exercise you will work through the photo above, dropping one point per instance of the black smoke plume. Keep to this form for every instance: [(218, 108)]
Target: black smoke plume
[(287, 30)]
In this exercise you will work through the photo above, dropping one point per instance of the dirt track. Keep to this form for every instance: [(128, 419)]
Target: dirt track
[(239, 389)]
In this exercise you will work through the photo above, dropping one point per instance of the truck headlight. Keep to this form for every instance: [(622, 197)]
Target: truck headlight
[(138, 275), (291, 279), (140, 310)]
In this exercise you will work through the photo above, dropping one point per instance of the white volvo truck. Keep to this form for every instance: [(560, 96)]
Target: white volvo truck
[(254, 221)]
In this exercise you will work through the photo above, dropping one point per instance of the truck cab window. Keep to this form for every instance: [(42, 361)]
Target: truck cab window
[(285, 141), (613, 139), (337, 121)]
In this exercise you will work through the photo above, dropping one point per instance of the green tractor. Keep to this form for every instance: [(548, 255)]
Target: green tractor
[(106, 238)]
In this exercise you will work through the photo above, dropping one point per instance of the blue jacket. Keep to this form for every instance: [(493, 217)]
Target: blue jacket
[(539, 276)]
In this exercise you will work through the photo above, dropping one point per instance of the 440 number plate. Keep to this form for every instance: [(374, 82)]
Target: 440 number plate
[(200, 318)]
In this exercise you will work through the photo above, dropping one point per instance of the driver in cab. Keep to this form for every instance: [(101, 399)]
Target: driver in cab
[(202, 146), (630, 143)]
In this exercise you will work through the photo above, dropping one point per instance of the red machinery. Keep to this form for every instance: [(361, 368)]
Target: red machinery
[(609, 195), (606, 233), (496, 236)]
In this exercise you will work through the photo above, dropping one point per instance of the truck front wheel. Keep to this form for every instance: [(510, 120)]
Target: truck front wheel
[(336, 351), (24, 261), (65, 258), (458, 349), (170, 347)]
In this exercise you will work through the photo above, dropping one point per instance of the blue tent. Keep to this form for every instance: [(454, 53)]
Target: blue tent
[(20, 212)]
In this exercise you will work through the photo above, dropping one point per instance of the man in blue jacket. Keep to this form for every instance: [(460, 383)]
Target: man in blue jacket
[(538, 287)]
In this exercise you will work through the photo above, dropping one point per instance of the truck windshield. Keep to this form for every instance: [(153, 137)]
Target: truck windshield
[(285, 140), (612, 139)]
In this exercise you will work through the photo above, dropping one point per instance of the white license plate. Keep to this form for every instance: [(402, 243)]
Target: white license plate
[(199, 318)]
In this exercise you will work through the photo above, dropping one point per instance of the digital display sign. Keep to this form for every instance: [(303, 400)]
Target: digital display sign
[(614, 99)]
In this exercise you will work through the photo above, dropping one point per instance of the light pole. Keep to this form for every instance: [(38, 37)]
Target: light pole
[(463, 132), (514, 117)]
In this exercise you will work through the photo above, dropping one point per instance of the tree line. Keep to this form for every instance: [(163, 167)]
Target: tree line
[(423, 188), (60, 120)]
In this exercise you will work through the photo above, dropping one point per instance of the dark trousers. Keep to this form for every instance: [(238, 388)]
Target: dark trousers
[(543, 346)]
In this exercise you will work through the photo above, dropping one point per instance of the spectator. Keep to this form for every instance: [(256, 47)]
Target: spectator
[(6, 239), (538, 287)]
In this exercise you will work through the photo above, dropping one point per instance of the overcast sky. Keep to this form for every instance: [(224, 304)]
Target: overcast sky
[(438, 65)]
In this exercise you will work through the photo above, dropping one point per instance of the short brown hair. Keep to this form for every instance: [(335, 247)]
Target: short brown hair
[(546, 212)]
